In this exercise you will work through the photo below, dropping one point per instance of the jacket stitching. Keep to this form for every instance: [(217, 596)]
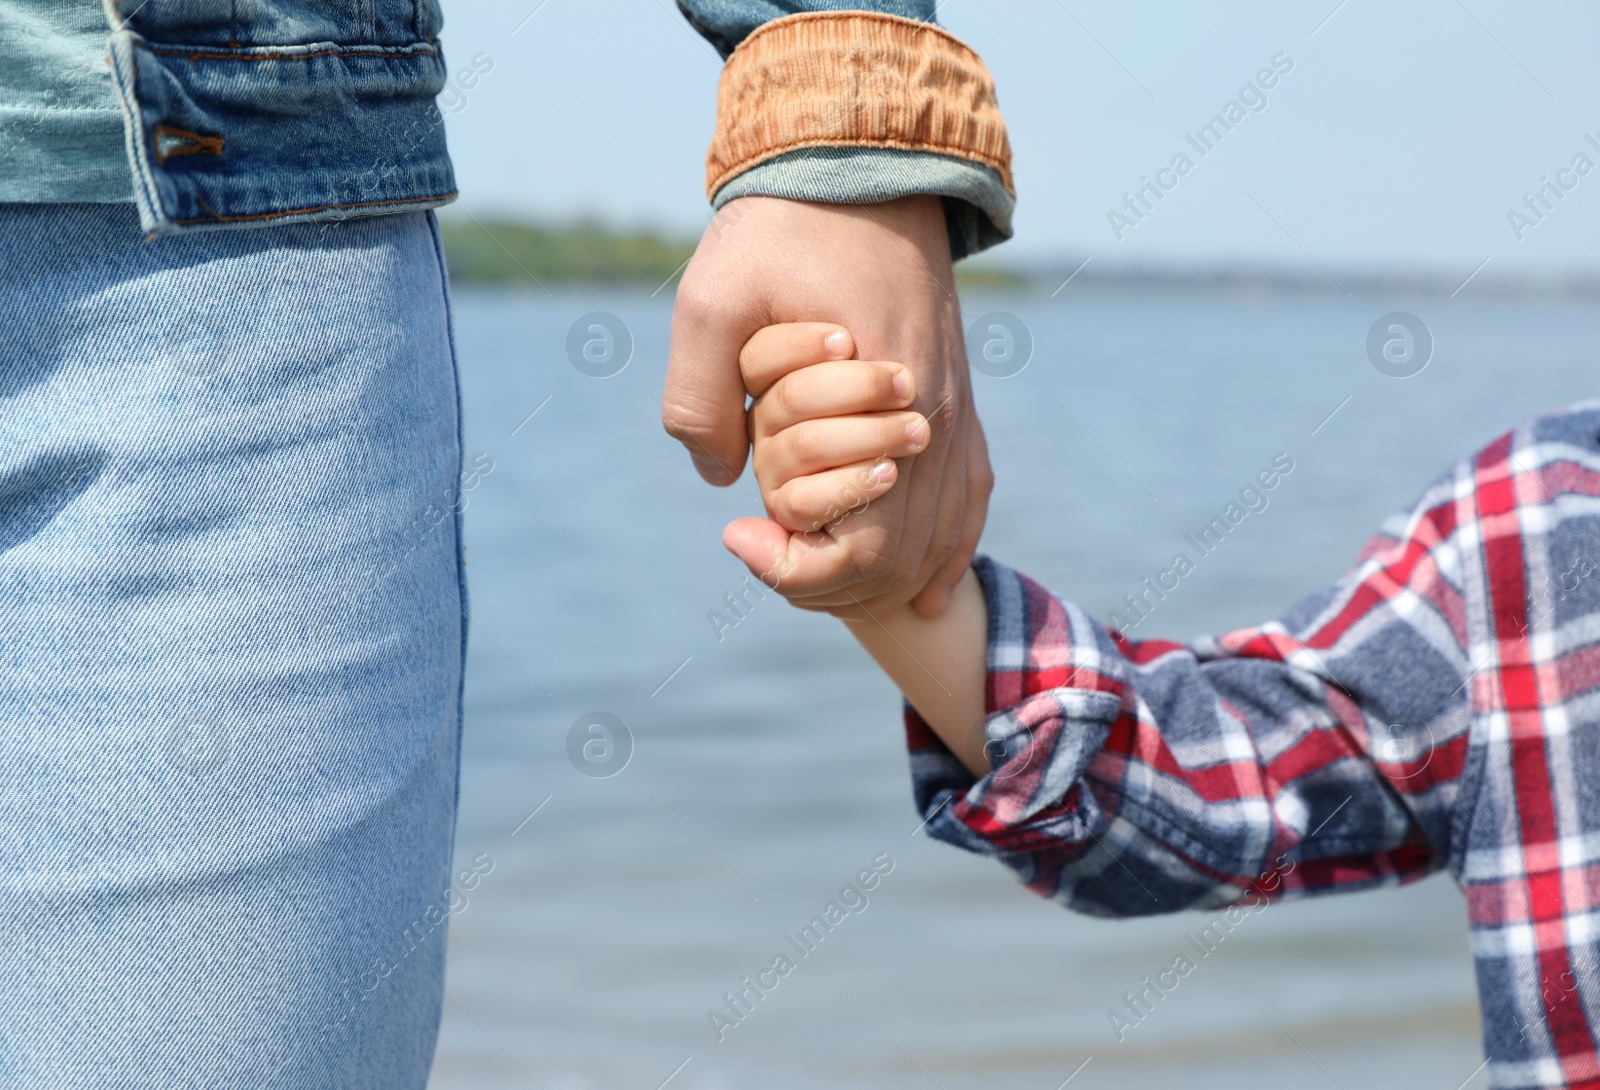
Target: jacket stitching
[(216, 217), (369, 51)]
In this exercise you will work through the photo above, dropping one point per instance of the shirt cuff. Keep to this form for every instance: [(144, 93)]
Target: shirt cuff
[(978, 207), (1055, 685), (845, 82)]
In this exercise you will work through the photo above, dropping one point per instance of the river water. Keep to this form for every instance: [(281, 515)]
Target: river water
[(766, 768)]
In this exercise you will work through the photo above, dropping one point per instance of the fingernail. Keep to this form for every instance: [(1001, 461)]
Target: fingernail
[(837, 342), (917, 431), (902, 384), (882, 471)]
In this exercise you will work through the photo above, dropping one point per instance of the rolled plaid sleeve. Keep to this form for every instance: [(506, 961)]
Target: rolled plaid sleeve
[(1439, 707), (1135, 777)]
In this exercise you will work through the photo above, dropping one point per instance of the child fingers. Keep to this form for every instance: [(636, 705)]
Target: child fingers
[(775, 350), (840, 388), (822, 499), (812, 446)]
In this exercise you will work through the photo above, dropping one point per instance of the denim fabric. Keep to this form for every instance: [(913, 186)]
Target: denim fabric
[(726, 23), (977, 207), (60, 127), (232, 617), (284, 110), (288, 110)]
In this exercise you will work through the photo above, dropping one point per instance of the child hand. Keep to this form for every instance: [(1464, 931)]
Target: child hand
[(825, 430)]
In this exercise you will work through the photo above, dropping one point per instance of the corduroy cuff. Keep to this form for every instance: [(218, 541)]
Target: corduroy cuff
[(854, 79)]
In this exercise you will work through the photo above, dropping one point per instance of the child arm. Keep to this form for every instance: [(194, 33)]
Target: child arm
[(1434, 707), (938, 665), (1126, 777)]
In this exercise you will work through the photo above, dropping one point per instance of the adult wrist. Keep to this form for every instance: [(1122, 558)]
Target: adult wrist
[(978, 209)]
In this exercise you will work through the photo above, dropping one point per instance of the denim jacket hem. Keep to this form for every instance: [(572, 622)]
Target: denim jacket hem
[(229, 135)]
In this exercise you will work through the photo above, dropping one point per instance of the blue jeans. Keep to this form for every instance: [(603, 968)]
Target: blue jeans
[(232, 622)]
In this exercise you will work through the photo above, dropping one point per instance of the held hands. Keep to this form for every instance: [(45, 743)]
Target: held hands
[(875, 475), (825, 430), (883, 272)]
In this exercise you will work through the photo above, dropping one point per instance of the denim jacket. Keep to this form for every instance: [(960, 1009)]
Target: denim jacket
[(285, 110)]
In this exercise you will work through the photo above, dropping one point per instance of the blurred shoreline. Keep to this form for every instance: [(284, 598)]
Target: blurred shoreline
[(485, 250)]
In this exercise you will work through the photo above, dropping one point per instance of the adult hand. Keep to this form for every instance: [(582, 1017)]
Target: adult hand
[(882, 272)]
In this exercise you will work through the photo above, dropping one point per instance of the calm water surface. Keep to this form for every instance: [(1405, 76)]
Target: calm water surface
[(767, 766)]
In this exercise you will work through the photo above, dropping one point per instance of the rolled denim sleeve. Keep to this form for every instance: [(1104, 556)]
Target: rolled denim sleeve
[(801, 116)]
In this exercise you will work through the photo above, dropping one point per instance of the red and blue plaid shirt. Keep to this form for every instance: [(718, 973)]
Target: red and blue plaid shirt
[(1438, 707)]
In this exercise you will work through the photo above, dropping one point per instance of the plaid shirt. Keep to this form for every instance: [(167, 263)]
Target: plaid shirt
[(1438, 707)]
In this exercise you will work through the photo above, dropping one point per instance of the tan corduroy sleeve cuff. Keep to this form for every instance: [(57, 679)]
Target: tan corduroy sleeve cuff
[(854, 79)]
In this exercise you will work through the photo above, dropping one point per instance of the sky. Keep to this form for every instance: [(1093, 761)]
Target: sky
[(1396, 135)]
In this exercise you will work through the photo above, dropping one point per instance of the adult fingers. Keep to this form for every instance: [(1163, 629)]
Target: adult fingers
[(939, 548), (703, 404), (882, 272), (935, 597)]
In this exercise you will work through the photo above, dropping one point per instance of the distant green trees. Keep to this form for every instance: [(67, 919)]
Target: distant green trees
[(481, 250), (505, 251)]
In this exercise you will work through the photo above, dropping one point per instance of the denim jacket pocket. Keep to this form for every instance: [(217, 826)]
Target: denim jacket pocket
[(230, 135)]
